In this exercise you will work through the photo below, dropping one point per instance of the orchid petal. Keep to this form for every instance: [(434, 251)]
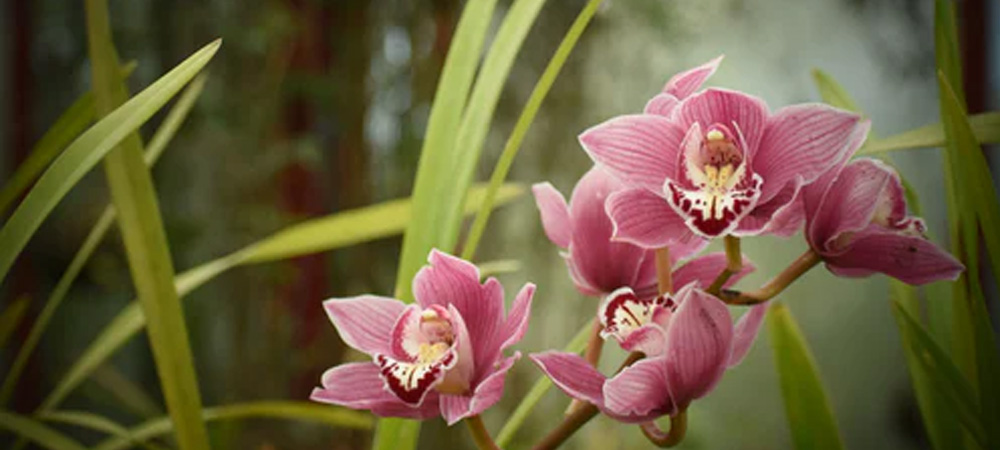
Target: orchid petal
[(661, 105), (803, 141), (487, 393), (700, 336), (703, 270), (782, 215), (726, 107), (516, 323), (358, 386), (911, 259), (649, 339), (685, 83), (645, 219), (640, 392), (606, 265), (849, 203), (573, 375), (365, 322), (745, 332), (640, 150), (555, 214), (450, 280)]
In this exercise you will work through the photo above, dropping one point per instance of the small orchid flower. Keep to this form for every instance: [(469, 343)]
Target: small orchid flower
[(597, 264), (690, 340), (439, 356), (713, 163), (856, 221)]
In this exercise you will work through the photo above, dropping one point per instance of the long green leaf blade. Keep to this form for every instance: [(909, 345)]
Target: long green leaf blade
[(11, 318), (985, 126), (95, 422), (316, 235), (311, 412), (524, 122), (36, 432), (146, 248), (438, 153), (810, 416), (944, 376), (87, 150), (67, 127)]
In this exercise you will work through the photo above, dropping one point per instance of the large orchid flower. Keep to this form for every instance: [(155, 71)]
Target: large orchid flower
[(439, 356), (597, 264), (713, 163), (856, 221), (689, 340)]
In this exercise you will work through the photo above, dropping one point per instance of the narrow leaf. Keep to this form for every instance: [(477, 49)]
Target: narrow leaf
[(944, 376), (67, 127), (538, 390), (95, 422), (11, 318), (146, 248), (524, 122), (303, 411), (87, 150), (810, 417), (985, 127), (36, 432)]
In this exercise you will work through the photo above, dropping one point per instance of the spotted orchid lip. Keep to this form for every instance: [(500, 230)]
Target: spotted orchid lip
[(637, 324), (720, 188)]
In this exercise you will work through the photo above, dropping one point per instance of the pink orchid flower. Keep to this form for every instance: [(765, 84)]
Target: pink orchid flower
[(856, 221), (439, 356), (713, 163), (689, 340), (597, 264)]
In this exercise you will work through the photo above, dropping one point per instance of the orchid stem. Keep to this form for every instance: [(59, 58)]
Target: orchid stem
[(578, 418), (479, 433), (796, 269), (593, 356), (734, 264), (664, 271), (678, 427)]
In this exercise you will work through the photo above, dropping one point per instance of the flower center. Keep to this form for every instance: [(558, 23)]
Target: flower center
[(720, 159), (436, 337)]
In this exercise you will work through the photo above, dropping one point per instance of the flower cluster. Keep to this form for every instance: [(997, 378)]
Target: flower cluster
[(693, 166)]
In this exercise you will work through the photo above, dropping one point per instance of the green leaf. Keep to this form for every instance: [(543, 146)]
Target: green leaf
[(954, 390), (810, 417), (130, 395), (352, 227), (985, 127), (524, 122), (832, 92), (321, 234), (95, 422), (538, 390), (499, 266), (68, 126), (977, 204), (438, 153), (11, 318), (36, 432), (159, 142), (943, 427), (87, 150), (310, 412), (146, 247)]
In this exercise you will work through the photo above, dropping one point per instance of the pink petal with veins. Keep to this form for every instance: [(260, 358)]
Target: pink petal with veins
[(640, 150)]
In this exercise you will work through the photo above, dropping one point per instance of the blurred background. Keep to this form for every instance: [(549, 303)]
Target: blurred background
[(314, 107)]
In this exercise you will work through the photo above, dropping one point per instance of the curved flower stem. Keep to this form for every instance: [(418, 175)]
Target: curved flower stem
[(807, 261), (734, 264), (479, 433), (664, 271), (579, 417), (678, 426)]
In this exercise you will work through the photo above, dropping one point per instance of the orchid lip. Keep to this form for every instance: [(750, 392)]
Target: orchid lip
[(622, 313), (426, 347), (720, 187)]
